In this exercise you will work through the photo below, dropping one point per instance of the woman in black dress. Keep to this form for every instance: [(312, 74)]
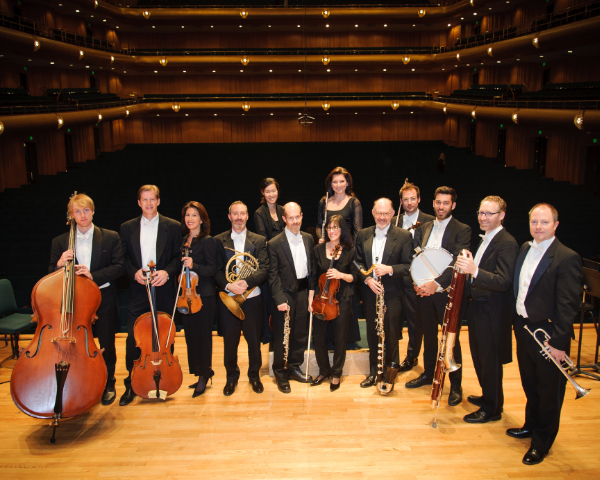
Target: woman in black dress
[(267, 218), (336, 232), (205, 261), (343, 202), (268, 223)]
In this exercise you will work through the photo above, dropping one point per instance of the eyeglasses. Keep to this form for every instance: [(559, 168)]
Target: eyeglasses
[(383, 214), (333, 228), (486, 214)]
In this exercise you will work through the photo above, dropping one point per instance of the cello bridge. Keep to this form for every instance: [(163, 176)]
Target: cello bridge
[(155, 363), (64, 339)]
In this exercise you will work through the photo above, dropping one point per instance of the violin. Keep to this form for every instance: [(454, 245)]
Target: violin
[(415, 226), (61, 373), (325, 305), (157, 373), (188, 301)]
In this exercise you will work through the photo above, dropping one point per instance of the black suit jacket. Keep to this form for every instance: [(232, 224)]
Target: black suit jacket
[(107, 263), (457, 237), (263, 222), (168, 243), (397, 254), (493, 282), (554, 290), (282, 271), (421, 217), (206, 263), (255, 245)]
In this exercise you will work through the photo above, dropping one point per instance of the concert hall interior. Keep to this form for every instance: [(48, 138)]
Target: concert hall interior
[(205, 99)]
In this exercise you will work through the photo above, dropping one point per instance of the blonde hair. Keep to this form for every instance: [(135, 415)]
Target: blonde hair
[(495, 198), (149, 188), (80, 199)]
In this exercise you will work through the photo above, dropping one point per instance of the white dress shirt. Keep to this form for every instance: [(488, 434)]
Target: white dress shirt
[(148, 234), (379, 239), (437, 232), (532, 260), (298, 253), (83, 248), (239, 242), (409, 221), (487, 238)]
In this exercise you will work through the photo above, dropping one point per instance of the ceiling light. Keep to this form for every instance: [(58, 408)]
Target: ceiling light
[(541, 56), (187, 115), (536, 42), (104, 20), (299, 70), (490, 51), (355, 26), (175, 107), (515, 116), (36, 44), (473, 113), (462, 18), (112, 59), (270, 70), (298, 26), (126, 112), (411, 113), (214, 71), (325, 13), (80, 54), (356, 69), (153, 26), (385, 69), (395, 105), (327, 70), (243, 13), (327, 25), (498, 61), (185, 71), (182, 26), (445, 110), (155, 71), (475, 13), (569, 51), (413, 69), (163, 61), (215, 114), (405, 59), (422, 12), (241, 70), (326, 106), (449, 24), (99, 117), (246, 106), (60, 122), (578, 120), (51, 63), (146, 14), (87, 66), (76, 11), (325, 60), (385, 24), (245, 60)]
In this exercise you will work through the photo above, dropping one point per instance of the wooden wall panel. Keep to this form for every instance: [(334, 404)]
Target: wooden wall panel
[(575, 69), (486, 142), (520, 146), (566, 156), (13, 173), (83, 143), (9, 75), (51, 153)]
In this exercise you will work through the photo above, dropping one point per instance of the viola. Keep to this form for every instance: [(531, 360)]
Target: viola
[(61, 373), (325, 305), (157, 373), (189, 300)]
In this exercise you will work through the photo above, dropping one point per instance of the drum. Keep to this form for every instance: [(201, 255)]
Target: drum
[(429, 263)]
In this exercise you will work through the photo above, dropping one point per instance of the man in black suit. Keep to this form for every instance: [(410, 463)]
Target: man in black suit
[(240, 239), (390, 248), (100, 258), (490, 307), (149, 237), (410, 197), (292, 283), (448, 233), (546, 286)]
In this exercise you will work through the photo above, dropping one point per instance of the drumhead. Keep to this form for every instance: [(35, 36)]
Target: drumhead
[(429, 264)]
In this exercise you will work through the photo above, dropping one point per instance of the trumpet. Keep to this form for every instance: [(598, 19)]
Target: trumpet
[(384, 388), (545, 351), (239, 271)]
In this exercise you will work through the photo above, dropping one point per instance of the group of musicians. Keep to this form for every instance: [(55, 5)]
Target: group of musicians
[(537, 285)]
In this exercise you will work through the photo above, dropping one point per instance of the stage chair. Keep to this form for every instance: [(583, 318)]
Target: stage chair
[(11, 322), (590, 288)]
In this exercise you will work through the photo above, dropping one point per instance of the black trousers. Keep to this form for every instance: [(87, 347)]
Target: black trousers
[(138, 304), (543, 383), (232, 328), (299, 316), (340, 335), (267, 300), (431, 310), (105, 330), (410, 314), (486, 359), (393, 302), (197, 328)]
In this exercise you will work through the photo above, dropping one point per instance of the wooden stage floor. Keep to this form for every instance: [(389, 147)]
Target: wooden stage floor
[(308, 434)]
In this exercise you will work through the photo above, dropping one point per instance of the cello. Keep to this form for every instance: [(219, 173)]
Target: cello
[(189, 301), (61, 373), (325, 306), (157, 373)]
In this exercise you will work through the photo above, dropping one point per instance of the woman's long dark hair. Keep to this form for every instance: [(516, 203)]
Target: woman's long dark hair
[(339, 171), (345, 237), (204, 226), (264, 183)]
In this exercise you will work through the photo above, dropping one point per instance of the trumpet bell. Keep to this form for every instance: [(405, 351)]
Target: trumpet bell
[(582, 392), (232, 304)]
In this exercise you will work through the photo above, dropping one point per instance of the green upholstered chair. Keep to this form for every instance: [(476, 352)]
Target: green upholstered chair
[(11, 322)]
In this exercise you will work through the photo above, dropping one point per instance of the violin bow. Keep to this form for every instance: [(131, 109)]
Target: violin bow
[(400, 208)]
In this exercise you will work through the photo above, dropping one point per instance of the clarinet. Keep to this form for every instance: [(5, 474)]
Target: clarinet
[(286, 336)]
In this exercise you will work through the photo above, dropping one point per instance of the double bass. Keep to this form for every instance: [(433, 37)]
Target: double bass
[(61, 373), (157, 373), (189, 301), (325, 305)]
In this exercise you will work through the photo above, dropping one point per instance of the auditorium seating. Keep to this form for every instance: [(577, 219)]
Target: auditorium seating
[(289, 51), (483, 94), (197, 97), (217, 174), (576, 95)]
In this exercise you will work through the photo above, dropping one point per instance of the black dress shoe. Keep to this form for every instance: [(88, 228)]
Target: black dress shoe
[(334, 386), (229, 388), (533, 457), (284, 386), (109, 395), (127, 397), (519, 433), (257, 386), (480, 416), (368, 382), (455, 397), (408, 364), (319, 380), (193, 385), (297, 375), (419, 381), (477, 401)]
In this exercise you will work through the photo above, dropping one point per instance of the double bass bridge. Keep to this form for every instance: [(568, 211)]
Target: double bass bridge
[(64, 339)]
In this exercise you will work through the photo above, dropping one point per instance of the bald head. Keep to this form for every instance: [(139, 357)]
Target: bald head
[(383, 211), (292, 216)]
